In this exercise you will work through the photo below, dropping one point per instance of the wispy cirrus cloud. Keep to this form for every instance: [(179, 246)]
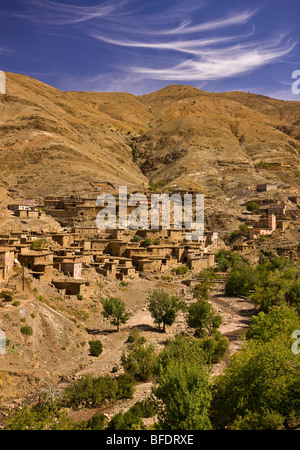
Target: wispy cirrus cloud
[(192, 46), (218, 63), (130, 42), (210, 58), (234, 19), (47, 12)]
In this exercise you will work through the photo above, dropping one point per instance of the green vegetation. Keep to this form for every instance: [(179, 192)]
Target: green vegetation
[(140, 359), (202, 317), (180, 270), (27, 330), (252, 206), (114, 309), (132, 419), (260, 388), (38, 244), (146, 242), (164, 307), (94, 392), (7, 296), (243, 228), (96, 348), (182, 364)]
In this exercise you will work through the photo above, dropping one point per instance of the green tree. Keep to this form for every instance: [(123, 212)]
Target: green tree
[(180, 349), (203, 318), (202, 289), (226, 260), (252, 206), (279, 320), (164, 307), (114, 309), (262, 376), (241, 280), (184, 397), (140, 361)]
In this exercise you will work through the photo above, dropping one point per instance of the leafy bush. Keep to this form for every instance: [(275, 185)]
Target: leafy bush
[(241, 280), (94, 392), (203, 318), (252, 206), (132, 419), (96, 348), (180, 270), (38, 244), (135, 337), (140, 361), (7, 296), (27, 330), (146, 242)]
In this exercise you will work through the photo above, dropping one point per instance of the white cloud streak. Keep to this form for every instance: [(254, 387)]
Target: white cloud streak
[(236, 19), (47, 12), (221, 63), (188, 46)]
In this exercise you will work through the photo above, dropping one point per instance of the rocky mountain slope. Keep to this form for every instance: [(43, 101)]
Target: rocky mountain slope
[(54, 142)]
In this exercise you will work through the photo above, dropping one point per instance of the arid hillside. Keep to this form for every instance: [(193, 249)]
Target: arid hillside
[(219, 143), (54, 142)]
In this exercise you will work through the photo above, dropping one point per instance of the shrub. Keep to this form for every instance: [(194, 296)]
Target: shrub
[(252, 206), (146, 242), (241, 280), (79, 297), (94, 392), (38, 244), (7, 296), (95, 348), (140, 361), (16, 303), (180, 270), (135, 337), (27, 330)]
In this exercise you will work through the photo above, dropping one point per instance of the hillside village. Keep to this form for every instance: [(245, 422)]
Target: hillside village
[(56, 264)]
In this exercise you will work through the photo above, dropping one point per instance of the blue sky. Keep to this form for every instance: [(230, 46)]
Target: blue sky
[(140, 46)]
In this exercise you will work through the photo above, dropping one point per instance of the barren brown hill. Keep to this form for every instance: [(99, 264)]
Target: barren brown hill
[(221, 142), (54, 142)]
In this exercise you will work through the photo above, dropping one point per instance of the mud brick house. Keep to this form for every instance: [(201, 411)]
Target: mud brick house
[(30, 258), (9, 241), (198, 262), (64, 239), (295, 199), (71, 267), (265, 187), (29, 214), (262, 228), (86, 232), (149, 264), (69, 286), (212, 238), (39, 263), (7, 257), (278, 209), (117, 248)]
